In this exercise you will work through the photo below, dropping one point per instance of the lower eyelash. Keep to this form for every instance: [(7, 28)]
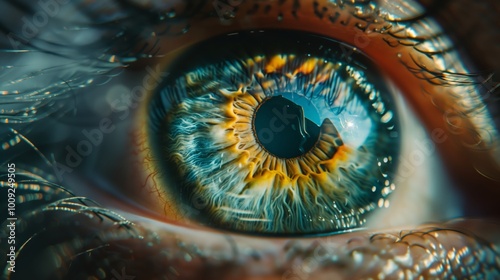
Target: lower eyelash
[(79, 244)]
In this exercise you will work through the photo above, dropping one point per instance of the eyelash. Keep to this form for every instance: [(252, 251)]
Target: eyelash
[(111, 58)]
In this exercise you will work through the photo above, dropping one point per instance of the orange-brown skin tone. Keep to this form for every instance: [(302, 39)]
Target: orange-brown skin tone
[(459, 160)]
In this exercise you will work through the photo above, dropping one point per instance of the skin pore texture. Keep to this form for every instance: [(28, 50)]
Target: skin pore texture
[(74, 223)]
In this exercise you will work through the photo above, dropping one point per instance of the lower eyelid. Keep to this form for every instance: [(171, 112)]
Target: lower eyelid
[(431, 250), (352, 252), (185, 253)]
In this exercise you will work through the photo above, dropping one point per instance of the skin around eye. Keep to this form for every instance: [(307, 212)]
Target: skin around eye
[(58, 244), (387, 49)]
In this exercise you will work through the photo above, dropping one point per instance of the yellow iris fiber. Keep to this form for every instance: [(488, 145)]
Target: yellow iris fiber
[(263, 168)]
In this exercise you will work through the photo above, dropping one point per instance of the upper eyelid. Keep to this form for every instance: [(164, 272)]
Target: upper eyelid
[(106, 62), (423, 39), (131, 23), (37, 103)]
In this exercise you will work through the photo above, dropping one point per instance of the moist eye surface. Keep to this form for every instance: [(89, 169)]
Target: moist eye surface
[(275, 132)]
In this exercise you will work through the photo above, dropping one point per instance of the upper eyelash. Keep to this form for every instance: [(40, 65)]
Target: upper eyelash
[(39, 104), (135, 19), (133, 26)]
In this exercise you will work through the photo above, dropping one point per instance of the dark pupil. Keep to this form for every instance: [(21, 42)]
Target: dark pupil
[(282, 129)]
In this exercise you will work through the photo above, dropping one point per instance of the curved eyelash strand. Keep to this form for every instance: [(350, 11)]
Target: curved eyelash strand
[(438, 77)]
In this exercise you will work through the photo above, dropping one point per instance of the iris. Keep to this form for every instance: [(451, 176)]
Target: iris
[(276, 134)]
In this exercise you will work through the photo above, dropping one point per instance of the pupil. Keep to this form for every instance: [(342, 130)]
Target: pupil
[(283, 129)]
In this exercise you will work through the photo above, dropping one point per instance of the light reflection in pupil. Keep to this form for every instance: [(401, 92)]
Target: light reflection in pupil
[(283, 129)]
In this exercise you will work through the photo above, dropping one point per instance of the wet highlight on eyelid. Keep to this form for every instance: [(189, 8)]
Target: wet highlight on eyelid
[(123, 244)]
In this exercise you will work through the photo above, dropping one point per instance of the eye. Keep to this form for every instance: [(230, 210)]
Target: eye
[(183, 198), (84, 134), (275, 133)]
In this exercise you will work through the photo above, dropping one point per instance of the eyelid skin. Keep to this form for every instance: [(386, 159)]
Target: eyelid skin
[(150, 249), (397, 58), (412, 252)]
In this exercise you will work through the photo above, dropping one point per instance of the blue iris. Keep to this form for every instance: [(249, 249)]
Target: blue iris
[(276, 134)]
